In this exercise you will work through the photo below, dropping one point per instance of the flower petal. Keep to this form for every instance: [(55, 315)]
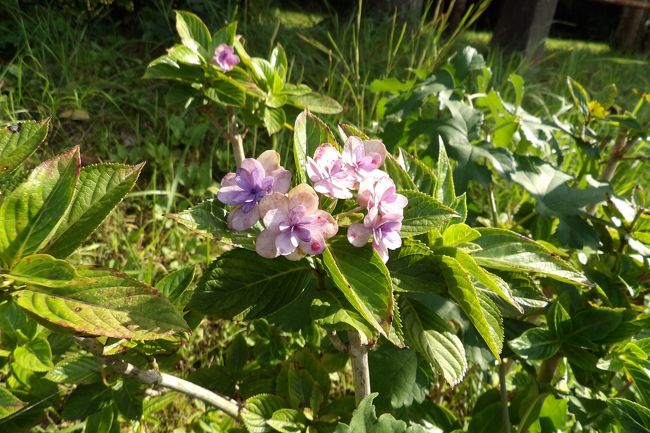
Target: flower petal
[(315, 246), (305, 195), (270, 160), (239, 220), (281, 180), (265, 244), (358, 234), (375, 146), (274, 209), (286, 243), (323, 224)]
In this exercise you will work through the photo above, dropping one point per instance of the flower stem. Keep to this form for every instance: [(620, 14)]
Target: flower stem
[(235, 138), (505, 414), (154, 377), (360, 370)]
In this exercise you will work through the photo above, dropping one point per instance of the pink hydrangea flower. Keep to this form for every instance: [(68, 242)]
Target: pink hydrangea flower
[(255, 179), (294, 226), (225, 57), (378, 194), (384, 230), (362, 157), (328, 173)]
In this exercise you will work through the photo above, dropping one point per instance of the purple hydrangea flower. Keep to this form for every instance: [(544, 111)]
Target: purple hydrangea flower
[(385, 232), (225, 57), (378, 194), (362, 157), (328, 173), (294, 225), (255, 179)]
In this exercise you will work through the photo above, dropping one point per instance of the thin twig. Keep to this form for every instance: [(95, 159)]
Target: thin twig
[(337, 342), (154, 377)]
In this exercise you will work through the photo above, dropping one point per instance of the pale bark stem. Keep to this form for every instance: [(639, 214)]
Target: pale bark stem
[(360, 369)]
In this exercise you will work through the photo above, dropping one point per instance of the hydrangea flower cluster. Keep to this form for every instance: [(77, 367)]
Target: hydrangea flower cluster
[(337, 175), (294, 226), (225, 57)]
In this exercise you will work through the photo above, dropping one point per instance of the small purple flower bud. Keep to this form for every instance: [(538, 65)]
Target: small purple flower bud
[(385, 232), (225, 57)]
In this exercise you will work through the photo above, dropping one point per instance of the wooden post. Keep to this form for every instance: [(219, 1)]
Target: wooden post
[(631, 30), (523, 25)]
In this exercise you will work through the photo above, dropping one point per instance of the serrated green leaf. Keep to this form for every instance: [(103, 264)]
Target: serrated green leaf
[(242, 282), (364, 420), (413, 269), (79, 369), (259, 409), (423, 177), (505, 250), (329, 313), (42, 269), (458, 234), (86, 400), (101, 421), (309, 132), (423, 213), (9, 403), (364, 280), (103, 302), (490, 281), (34, 355), (175, 286), (164, 67), (99, 189), (209, 218), (127, 399), (535, 344), (315, 102), (193, 32), (394, 376), (434, 339), (462, 290), (185, 55), (634, 417), (225, 35), (18, 142), (274, 119), (227, 93), (32, 212)]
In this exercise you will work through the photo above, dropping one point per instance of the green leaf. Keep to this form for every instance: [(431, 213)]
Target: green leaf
[(434, 339), (394, 376), (552, 413), (362, 277), (18, 142), (259, 409), (364, 420), (458, 234), (34, 355), (242, 282), (79, 369), (535, 344), (413, 269), (424, 179), (462, 290), (164, 67), (490, 281), (423, 213), (274, 119), (209, 218), (287, 421), (193, 32), (309, 132), (102, 302), (509, 251), (225, 35), (100, 188), (634, 417), (86, 400), (175, 286), (8, 403), (329, 313), (315, 102), (227, 93), (32, 212), (101, 421), (127, 398), (639, 371), (579, 95), (185, 55), (42, 269)]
